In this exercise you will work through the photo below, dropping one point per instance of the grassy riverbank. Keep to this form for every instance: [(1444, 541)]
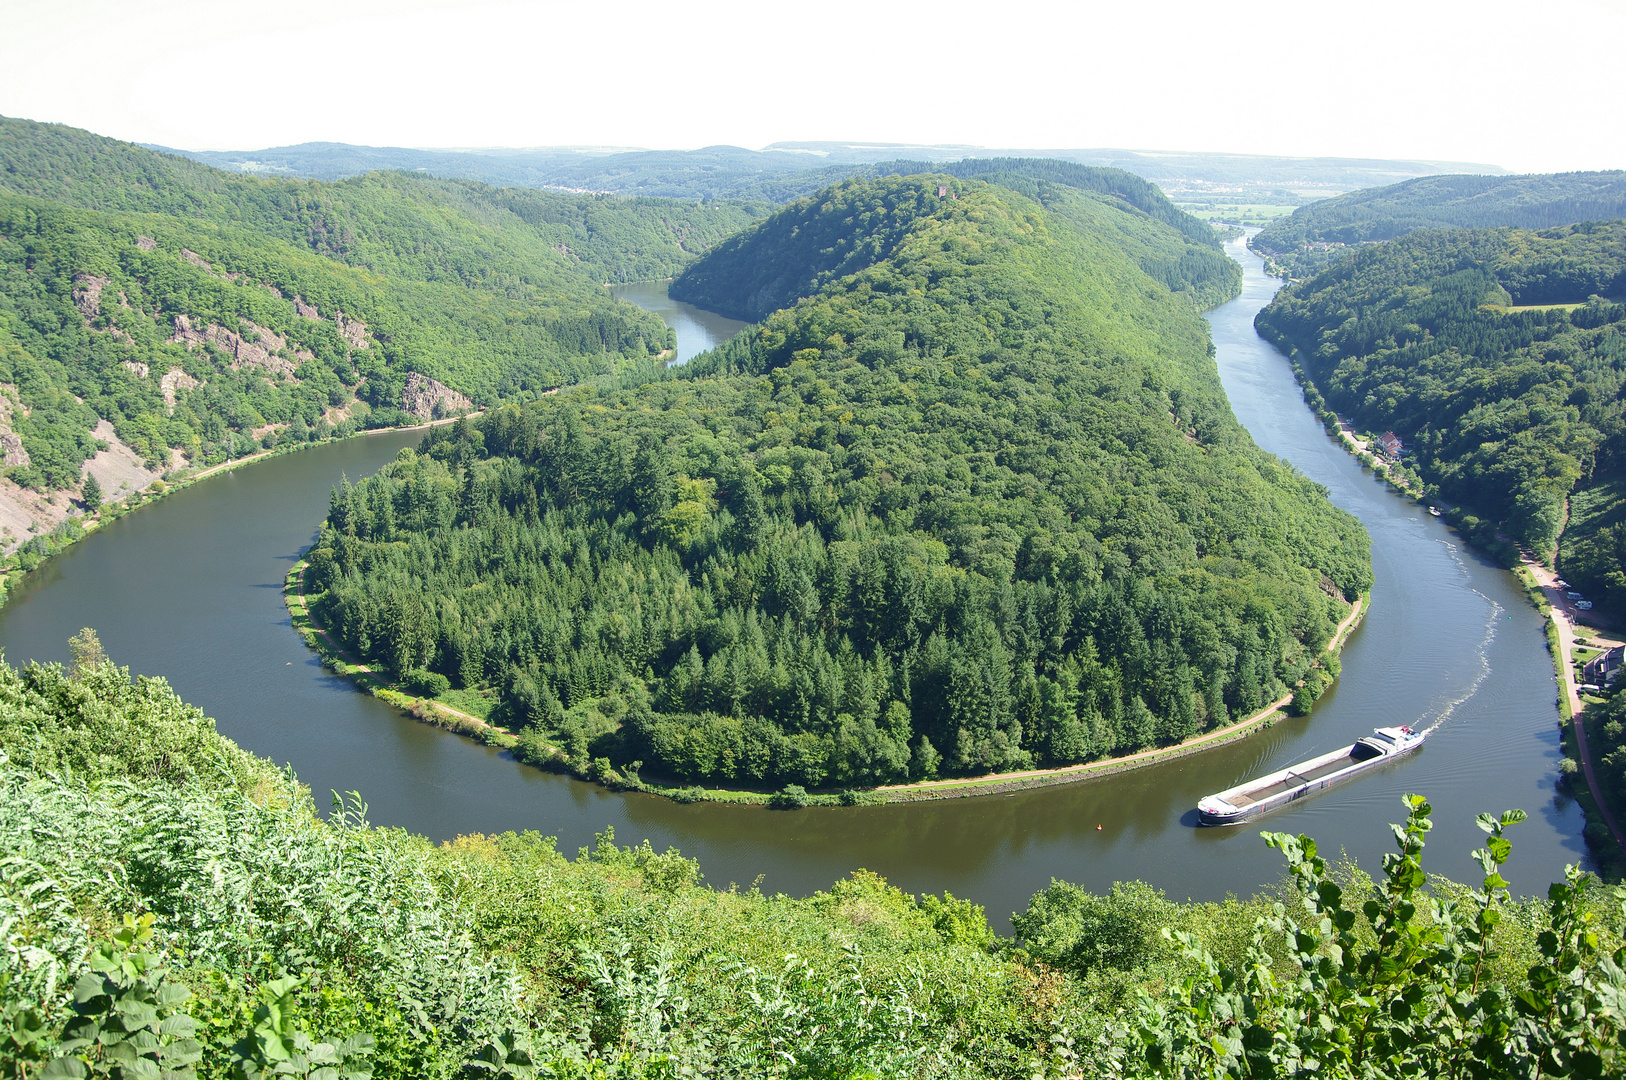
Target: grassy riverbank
[(443, 711)]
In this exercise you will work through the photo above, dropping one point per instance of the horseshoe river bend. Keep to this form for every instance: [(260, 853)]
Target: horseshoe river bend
[(190, 588)]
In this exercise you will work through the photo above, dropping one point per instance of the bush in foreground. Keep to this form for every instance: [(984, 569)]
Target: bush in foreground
[(170, 905)]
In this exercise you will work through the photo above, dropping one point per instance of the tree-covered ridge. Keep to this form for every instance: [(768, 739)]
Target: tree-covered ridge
[(194, 309), (978, 506), (858, 222), (1132, 190), (190, 336), (171, 906), (1191, 264), (397, 224), (799, 250), (1509, 405), (1537, 201)]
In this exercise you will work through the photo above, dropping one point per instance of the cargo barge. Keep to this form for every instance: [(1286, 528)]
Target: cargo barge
[(1256, 797)]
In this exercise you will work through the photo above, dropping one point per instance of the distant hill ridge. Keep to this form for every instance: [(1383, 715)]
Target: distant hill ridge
[(804, 247), (785, 171), (1533, 201)]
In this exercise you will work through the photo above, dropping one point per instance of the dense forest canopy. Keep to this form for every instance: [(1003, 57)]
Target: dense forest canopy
[(197, 310), (817, 240), (1512, 405), (1310, 238), (977, 503), (393, 223), (171, 906)]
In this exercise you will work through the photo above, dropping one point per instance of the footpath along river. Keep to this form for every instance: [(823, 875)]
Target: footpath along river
[(189, 589)]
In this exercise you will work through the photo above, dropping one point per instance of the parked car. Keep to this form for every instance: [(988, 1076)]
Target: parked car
[(1584, 605)]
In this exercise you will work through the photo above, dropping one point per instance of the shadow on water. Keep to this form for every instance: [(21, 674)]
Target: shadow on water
[(189, 588)]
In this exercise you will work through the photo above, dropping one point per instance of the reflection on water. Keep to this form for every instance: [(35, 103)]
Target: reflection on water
[(697, 329), (189, 588)]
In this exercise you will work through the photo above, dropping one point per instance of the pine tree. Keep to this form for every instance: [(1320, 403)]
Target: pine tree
[(91, 494)]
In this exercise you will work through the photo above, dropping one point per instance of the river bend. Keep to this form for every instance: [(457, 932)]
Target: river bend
[(190, 588)]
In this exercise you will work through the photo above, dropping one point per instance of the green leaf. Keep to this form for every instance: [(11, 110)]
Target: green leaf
[(63, 1068)]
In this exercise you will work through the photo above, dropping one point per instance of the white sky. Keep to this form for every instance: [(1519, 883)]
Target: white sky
[(1527, 85)]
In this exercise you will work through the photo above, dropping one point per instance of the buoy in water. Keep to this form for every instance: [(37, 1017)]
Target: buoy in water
[(1098, 828)]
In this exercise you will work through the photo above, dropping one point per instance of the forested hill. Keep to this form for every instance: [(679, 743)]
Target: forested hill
[(395, 223), (1498, 356), (204, 314), (1143, 195), (976, 504), (1436, 202), (818, 240)]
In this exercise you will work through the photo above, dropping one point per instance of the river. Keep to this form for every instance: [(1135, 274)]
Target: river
[(190, 588), (697, 329)]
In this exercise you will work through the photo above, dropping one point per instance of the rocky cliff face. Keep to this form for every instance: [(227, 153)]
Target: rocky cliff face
[(267, 352), (430, 399)]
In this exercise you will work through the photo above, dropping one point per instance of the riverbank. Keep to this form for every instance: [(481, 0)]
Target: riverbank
[(1605, 836), (1340, 429), (14, 567), (1603, 830), (542, 755)]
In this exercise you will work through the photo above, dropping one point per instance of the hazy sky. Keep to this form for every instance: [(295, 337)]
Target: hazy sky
[(1525, 85)]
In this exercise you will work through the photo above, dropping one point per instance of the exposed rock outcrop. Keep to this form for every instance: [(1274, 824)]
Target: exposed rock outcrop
[(136, 368), (306, 311), (262, 353), (352, 331), (172, 380), (118, 469), (430, 399), (11, 444), (11, 450), (87, 294), (146, 243)]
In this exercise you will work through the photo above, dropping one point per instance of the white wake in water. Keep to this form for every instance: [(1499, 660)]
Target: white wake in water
[(1482, 653)]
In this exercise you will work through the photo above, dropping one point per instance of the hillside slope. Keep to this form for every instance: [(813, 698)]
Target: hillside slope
[(200, 315), (1511, 405), (978, 502), (1308, 239)]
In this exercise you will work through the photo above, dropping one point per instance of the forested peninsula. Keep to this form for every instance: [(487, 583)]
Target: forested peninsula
[(1498, 357), (196, 316), (172, 906), (975, 502)]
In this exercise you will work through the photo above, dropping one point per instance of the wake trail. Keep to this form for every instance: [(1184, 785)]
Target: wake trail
[(1482, 653)]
